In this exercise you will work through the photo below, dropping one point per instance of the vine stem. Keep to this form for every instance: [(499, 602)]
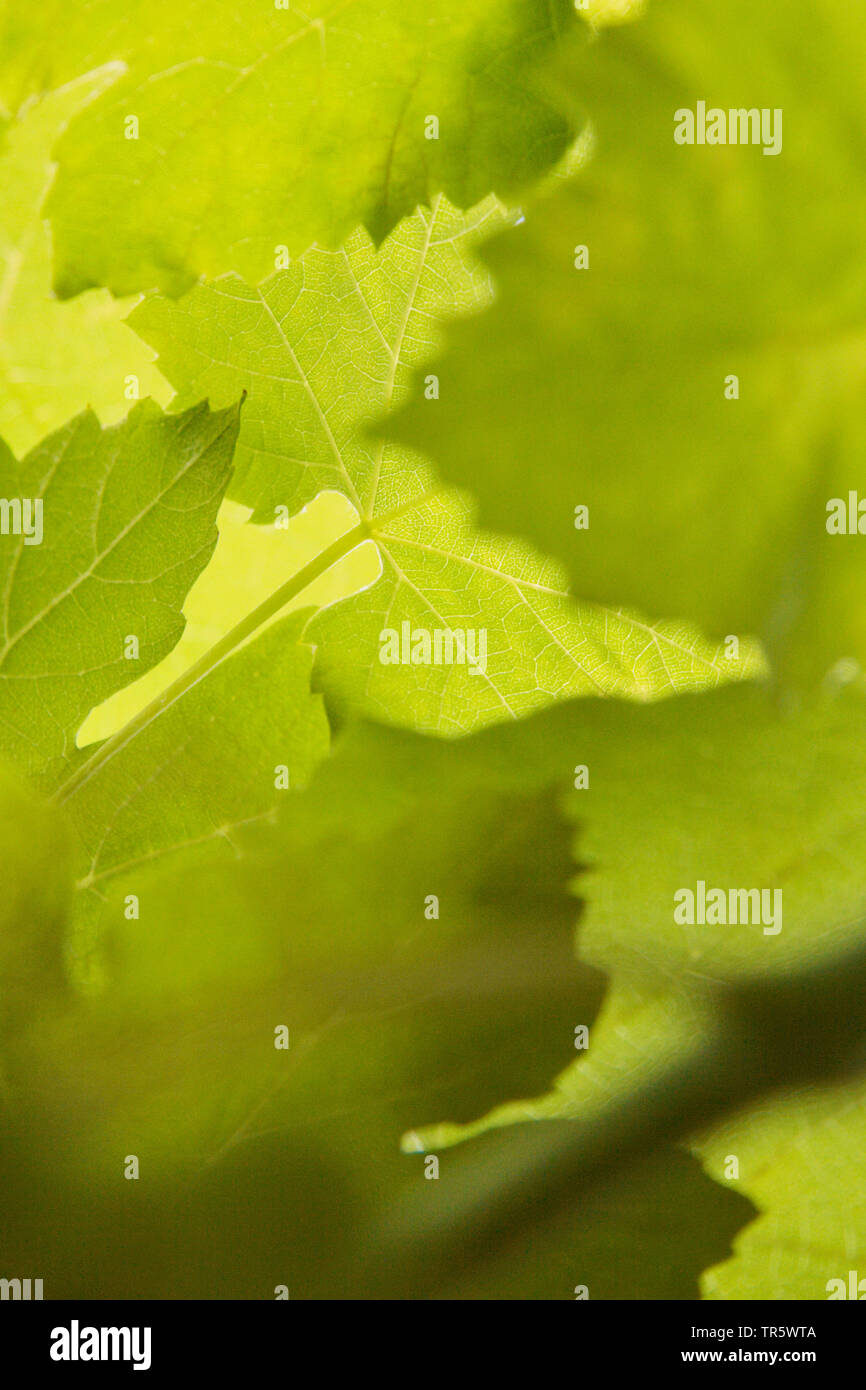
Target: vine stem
[(212, 658)]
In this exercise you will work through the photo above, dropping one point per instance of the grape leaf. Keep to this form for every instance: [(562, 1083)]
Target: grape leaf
[(701, 1020), (406, 917), (177, 1062), (55, 358), (705, 264), (127, 523), (276, 124), (217, 753), (737, 794), (250, 564), (321, 348), (800, 1159)]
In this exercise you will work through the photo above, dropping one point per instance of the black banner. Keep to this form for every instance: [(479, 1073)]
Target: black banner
[(213, 1339)]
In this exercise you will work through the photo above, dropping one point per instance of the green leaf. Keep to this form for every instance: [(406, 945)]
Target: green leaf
[(800, 1159), (127, 523), (367, 935), (740, 795), (217, 753), (277, 125), (176, 1063), (249, 564), (703, 1020), (393, 1009), (323, 347), (55, 358), (606, 387), (720, 789)]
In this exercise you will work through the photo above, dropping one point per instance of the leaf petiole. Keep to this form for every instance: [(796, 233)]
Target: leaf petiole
[(212, 658)]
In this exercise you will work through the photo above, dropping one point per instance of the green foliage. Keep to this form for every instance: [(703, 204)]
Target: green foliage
[(211, 180), (55, 358), (801, 1162), (380, 1012), (704, 263), (322, 348), (177, 1062), (699, 1020), (148, 792), (127, 524), (35, 853)]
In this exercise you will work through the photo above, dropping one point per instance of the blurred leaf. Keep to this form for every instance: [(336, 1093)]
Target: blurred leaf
[(127, 523), (606, 387), (641, 1230), (263, 1159), (702, 1020), (177, 1063), (259, 124), (55, 358), (722, 790), (319, 924), (359, 949), (35, 890), (321, 348)]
